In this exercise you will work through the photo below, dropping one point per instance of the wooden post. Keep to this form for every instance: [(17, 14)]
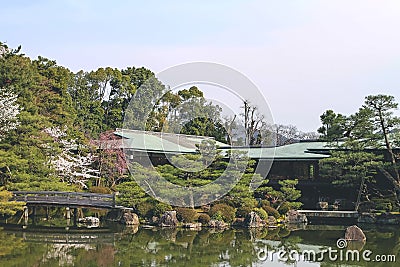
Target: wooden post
[(26, 215), (68, 213)]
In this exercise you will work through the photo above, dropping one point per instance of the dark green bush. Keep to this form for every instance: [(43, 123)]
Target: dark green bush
[(204, 218), (226, 212), (186, 215), (384, 206), (144, 209), (284, 208), (242, 212), (271, 211), (100, 190), (265, 203)]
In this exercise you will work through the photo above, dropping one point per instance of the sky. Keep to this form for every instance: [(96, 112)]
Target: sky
[(304, 56)]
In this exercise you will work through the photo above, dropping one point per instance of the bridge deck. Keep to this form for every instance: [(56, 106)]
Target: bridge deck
[(329, 213), (70, 199)]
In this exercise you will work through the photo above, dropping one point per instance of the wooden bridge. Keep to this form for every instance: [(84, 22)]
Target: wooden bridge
[(67, 199)]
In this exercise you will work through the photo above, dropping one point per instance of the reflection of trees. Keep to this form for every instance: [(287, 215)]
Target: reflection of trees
[(181, 247), (187, 248), (15, 252)]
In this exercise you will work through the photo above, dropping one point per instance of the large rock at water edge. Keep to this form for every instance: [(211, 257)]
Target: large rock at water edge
[(129, 218), (354, 233), (271, 220), (293, 216), (253, 220), (168, 219)]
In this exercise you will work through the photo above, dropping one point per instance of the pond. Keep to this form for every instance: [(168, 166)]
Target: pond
[(113, 245)]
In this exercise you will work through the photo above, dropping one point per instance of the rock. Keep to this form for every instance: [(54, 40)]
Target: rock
[(354, 233), (129, 218), (168, 219), (217, 224), (253, 220), (293, 216), (154, 220), (366, 217), (272, 220), (192, 225)]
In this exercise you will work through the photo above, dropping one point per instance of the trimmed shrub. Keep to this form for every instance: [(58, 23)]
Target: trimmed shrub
[(262, 213), (265, 203), (159, 209), (203, 218), (223, 211), (100, 190), (242, 212), (272, 212), (144, 209), (186, 215), (284, 208)]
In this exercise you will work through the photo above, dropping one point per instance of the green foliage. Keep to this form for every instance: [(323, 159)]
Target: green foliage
[(8, 207), (333, 126), (130, 194), (100, 190), (284, 208), (243, 211), (160, 208), (346, 168), (271, 211), (145, 208), (186, 215), (262, 213), (203, 218), (223, 211)]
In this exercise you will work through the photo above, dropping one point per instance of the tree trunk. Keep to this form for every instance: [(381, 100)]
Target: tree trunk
[(389, 147), (394, 182)]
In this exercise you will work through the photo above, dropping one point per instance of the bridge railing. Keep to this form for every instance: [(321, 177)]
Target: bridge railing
[(65, 198)]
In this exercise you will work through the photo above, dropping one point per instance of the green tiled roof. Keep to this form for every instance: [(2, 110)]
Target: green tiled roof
[(300, 151), (161, 142)]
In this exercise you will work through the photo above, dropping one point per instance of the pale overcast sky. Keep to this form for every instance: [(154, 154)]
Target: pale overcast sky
[(305, 56)]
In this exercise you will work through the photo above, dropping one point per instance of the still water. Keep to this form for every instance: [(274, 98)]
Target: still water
[(114, 245)]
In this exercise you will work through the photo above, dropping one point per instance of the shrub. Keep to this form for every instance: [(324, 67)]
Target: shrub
[(203, 218), (159, 209), (224, 211), (145, 208), (246, 206), (284, 208), (271, 211), (186, 215), (262, 213), (243, 211), (384, 206), (265, 203), (100, 190)]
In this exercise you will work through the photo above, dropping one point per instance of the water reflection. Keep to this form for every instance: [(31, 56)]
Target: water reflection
[(133, 246)]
